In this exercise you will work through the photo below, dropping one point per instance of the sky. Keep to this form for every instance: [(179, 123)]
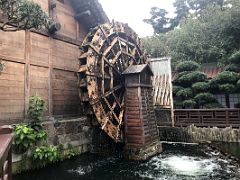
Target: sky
[(134, 11)]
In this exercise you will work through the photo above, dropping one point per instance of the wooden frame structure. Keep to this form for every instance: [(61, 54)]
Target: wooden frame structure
[(207, 117), (162, 84)]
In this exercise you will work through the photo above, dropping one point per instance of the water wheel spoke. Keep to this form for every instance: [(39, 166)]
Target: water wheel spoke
[(111, 110), (116, 57), (103, 75), (110, 47), (117, 100), (94, 101), (115, 69)]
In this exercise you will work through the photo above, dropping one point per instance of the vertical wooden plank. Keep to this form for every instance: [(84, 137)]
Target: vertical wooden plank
[(50, 100), (27, 69)]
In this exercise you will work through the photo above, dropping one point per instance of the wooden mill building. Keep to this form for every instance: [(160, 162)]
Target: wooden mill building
[(37, 63)]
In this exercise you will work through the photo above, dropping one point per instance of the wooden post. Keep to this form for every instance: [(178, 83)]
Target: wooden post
[(50, 78), (9, 168), (27, 70), (227, 116)]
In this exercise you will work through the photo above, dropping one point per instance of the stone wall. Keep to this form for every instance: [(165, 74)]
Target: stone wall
[(193, 134), (74, 134), (163, 117)]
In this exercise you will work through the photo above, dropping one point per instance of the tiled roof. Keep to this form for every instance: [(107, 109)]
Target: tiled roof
[(89, 12), (135, 69)]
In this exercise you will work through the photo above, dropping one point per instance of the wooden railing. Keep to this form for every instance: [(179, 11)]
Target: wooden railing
[(6, 138), (207, 117)]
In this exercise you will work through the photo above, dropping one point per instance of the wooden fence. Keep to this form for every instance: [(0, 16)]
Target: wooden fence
[(6, 153), (207, 117)]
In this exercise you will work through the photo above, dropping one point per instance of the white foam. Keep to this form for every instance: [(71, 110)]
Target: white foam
[(189, 166)]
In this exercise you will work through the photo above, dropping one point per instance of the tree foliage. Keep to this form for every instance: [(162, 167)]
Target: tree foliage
[(228, 81), (161, 23), (212, 36), (154, 46), (22, 14)]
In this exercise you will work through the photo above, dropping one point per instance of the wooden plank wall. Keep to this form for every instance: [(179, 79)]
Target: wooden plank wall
[(40, 65)]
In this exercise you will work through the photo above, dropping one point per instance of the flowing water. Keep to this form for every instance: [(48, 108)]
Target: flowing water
[(177, 162)]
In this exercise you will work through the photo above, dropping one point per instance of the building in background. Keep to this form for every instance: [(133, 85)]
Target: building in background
[(39, 64)]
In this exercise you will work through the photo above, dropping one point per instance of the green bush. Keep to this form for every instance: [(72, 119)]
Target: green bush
[(235, 58), (187, 66), (176, 89), (189, 103), (232, 68), (24, 138), (201, 86), (204, 98), (227, 88), (185, 93), (38, 130), (225, 77), (45, 155), (177, 104), (192, 77), (36, 108), (238, 83)]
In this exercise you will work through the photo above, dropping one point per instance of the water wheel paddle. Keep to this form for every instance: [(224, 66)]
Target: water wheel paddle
[(106, 52)]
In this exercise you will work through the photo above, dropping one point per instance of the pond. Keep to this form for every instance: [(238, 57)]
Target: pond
[(177, 162)]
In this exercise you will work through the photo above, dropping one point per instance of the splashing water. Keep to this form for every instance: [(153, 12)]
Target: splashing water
[(190, 166)]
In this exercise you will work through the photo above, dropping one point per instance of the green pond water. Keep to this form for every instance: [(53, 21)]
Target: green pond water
[(177, 162)]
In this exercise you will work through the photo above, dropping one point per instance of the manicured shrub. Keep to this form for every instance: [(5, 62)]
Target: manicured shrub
[(201, 86), (175, 89), (238, 83), (190, 83), (185, 93), (204, 98), (235, 58), (232, 68), (187, 66), (227, 88), (189, 103), (192, 77), (225, 77)]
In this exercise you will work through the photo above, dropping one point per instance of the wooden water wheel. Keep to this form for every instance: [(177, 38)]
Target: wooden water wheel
[(106, 52)]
